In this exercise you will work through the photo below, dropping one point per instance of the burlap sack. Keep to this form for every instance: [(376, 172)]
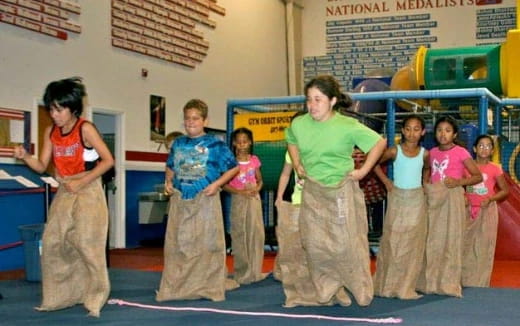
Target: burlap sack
[(441, 273), (247, 238), (334, 227), (277, 272), (292, 262), (478, 253), (73, 258), (194, 250), (401, 249), (287, 222)]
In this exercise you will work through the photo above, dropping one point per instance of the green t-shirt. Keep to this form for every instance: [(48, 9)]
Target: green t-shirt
[(325, 148)]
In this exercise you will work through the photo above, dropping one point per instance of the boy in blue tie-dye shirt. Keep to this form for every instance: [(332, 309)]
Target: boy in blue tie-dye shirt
[(194, 251)]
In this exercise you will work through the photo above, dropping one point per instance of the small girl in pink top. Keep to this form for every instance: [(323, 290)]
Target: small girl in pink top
[(482, 220), (247, 226), (446, 211)]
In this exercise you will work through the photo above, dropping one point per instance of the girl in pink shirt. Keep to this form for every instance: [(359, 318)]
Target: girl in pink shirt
[(482, 219), (446, 211), (247, 226)]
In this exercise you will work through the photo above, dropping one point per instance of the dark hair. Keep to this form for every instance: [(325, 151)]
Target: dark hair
[(416, 117), (448, 119), (411, 117), (244, 131), (329, 86), (482, 137), (66, 93), (454, 125), (198, 105)]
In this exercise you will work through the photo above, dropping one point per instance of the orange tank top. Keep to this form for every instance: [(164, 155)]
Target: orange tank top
[(70, 155)]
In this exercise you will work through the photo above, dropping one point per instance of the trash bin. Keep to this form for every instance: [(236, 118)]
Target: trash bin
[(31, 235)]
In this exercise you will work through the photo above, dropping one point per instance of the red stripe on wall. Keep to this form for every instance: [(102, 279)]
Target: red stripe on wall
[(11, 114), (146, 156), (6, 151)]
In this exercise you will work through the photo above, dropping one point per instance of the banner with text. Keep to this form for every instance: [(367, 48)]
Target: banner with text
[(352, 39), (265, 126)]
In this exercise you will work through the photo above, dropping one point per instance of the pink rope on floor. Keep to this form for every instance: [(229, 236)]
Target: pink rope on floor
[(389, 320)]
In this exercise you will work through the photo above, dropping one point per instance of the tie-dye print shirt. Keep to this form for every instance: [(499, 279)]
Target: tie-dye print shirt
[(198, 162)]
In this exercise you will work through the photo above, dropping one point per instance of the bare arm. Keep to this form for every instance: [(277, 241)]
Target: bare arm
[(474, 178), (476, 175), (295, 158), (259, 180), (501, 194), (426, 168), (232, 190), (248, 191), (388, 154), (372, 157), (37, 164), (283, 182), (168, 180), (213, 188)]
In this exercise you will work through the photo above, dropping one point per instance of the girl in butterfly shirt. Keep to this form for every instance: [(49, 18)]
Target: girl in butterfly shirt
[(482, 219), (442, 267)]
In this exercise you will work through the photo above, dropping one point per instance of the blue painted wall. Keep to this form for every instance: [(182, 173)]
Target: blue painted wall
[(29, 208), (18, 209), (150, 234), (138, 182)]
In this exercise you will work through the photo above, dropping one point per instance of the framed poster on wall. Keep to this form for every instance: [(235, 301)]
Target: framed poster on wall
[(157, 117), (15, 129)]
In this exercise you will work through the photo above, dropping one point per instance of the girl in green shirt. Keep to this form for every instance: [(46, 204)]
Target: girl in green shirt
[(333, 219)]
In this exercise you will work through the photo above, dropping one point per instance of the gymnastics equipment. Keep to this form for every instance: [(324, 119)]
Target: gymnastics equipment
[(508, 247), (495, 67), (465, 67), (508, 240), (510, 150), (480, 100), (268, 117), (512, 163), (361, 110)]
